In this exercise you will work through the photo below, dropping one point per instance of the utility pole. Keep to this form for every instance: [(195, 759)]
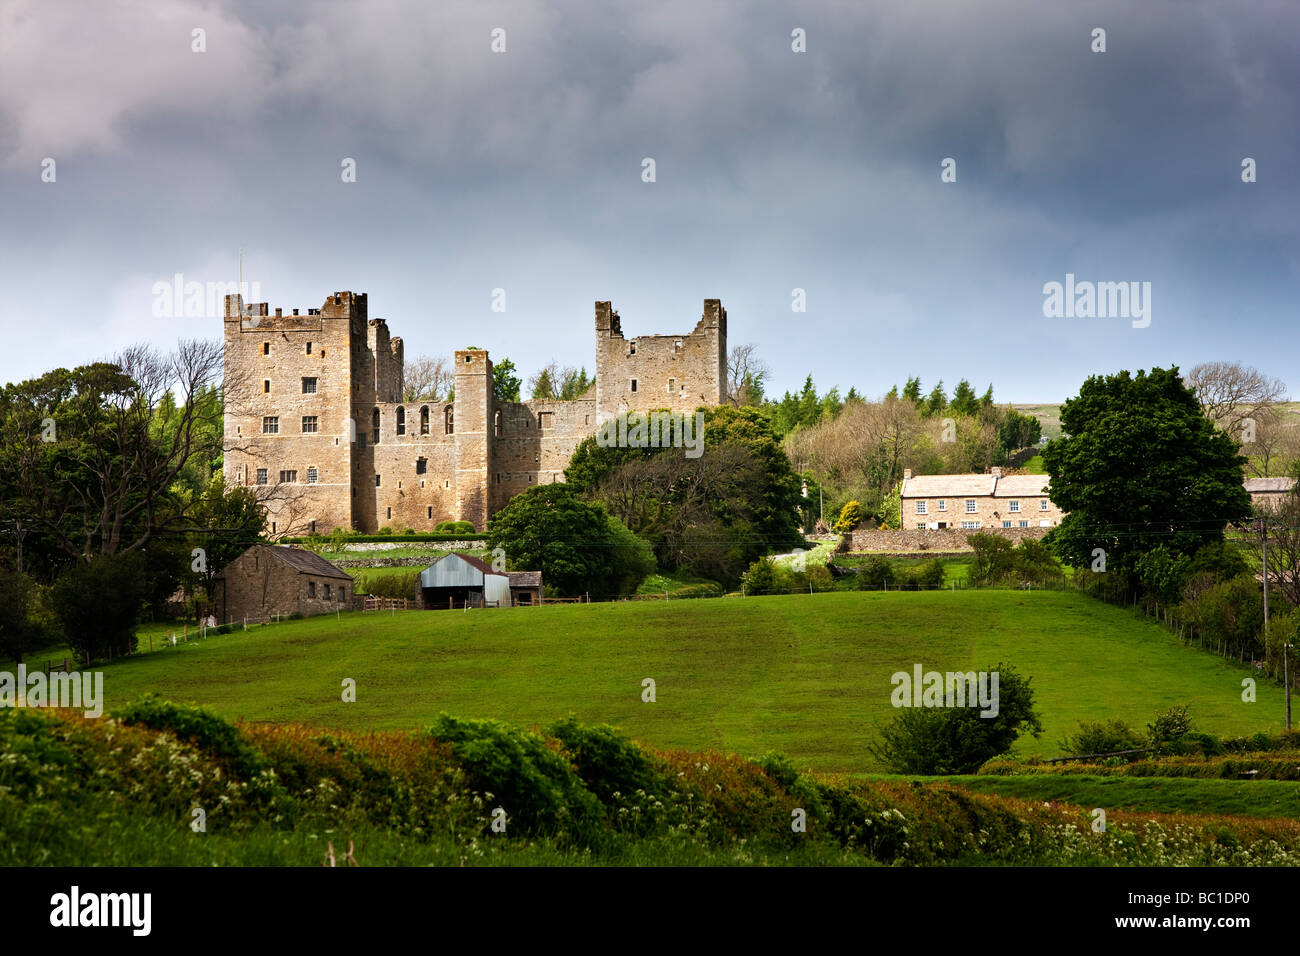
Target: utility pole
[(1286, 646)]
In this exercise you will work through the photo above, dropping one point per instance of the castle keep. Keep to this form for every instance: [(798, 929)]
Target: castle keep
[(315, 420)]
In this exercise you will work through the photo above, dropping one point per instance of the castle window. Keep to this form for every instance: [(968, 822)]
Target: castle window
[(634, 385), (401, 421), (430, 509), (271, 425), (672, 382), (266, 385), (378, 479), (421, 465), (309, 386), (545, 420), (261, 476), (272, 527), (374, 427), (424, 419), (449, 421), (468, 359), (632, 347), (266, 348), (312, 476), (288, 477), (313, 531), (390, 512), (309, 348), (361, 441), (677, 345), (496, 424), (309, 423)]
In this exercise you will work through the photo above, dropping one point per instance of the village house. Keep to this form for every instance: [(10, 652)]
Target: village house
[(267, 581), (1268, 492), (976, 502)]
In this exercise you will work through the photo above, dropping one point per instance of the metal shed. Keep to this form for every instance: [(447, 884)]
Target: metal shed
[(457, 580)]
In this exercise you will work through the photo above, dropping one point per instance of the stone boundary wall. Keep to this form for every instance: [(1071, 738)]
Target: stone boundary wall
[(946, 540)]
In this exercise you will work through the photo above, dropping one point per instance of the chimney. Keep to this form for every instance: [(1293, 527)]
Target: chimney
[(907, 474), (996, 471)]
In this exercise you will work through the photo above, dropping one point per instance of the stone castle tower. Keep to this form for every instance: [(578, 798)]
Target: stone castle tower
[(316, 424)]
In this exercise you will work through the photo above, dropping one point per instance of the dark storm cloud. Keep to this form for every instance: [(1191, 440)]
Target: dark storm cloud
[(775, 170)]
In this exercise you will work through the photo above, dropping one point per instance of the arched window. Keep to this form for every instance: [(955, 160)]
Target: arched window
[(401, 420), (496, 424), (374, 428), (448, 421), (424, 420)]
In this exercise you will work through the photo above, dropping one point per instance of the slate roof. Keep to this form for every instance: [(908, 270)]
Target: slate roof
[(948, 486), (304, 561), (1021, 486), (525, 579), (1258, 485)]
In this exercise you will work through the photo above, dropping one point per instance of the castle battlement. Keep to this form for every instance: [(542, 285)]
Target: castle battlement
[(317, 426)]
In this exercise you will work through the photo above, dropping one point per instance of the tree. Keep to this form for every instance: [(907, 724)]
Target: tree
[(1229, 392), (746, 375), (98, 603), (505, 383), (1017, 431), (226, 522), (558, 383), (944, 740), (850, 517), (964, 401), (428, 379), (1139, 466), (94, 459), (912, 390), (549, 529), (935, 402), (1283, 519)]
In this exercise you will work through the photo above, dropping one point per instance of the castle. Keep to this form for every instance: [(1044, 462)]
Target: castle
[(316, 424)]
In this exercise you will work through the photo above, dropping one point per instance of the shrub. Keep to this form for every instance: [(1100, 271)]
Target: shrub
[(389, 585), (536, 787), (875, 573), (927, 576), (1100, 737), (993, 561), (939, 740), (197, 726), (1169, 725), (454, 527), (760, 578), (607, 762), (850, 517)]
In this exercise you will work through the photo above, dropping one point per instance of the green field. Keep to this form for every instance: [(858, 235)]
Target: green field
[(805, 675)]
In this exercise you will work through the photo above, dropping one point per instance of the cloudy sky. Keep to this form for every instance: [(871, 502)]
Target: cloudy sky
[(775, 170)]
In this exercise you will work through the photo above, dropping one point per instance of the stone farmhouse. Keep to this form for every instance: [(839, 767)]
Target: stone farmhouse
[(315, 417), (977, 502), (1268, 492), (272, 579)]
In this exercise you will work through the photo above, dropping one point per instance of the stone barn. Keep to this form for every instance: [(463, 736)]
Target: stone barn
[(269, 580), (460, 580)]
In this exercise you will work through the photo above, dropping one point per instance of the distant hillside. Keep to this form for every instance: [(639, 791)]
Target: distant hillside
[(1050, 415)]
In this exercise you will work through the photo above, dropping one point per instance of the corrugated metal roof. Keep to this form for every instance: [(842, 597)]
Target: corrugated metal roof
[(456, 571), (948, 486)]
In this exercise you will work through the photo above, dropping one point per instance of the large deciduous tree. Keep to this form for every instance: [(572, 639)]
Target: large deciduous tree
[(1139, 466)]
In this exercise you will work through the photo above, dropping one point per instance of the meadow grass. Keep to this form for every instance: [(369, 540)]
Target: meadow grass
[(807, 675)]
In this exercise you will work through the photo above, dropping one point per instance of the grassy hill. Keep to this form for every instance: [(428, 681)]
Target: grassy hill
[(805, 675)]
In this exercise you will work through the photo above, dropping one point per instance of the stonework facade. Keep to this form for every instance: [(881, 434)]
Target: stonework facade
[(977, 502), (316, 423), (268, 580)]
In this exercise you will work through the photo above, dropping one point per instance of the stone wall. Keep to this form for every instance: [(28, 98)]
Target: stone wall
[(677, 372), (950, 540), (258, 586)]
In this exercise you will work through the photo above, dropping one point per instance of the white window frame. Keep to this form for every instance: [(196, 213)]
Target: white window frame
[(943, 504), (970, 506), (920, 507), (1042, 504), (1013, 506), (970, 525)]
